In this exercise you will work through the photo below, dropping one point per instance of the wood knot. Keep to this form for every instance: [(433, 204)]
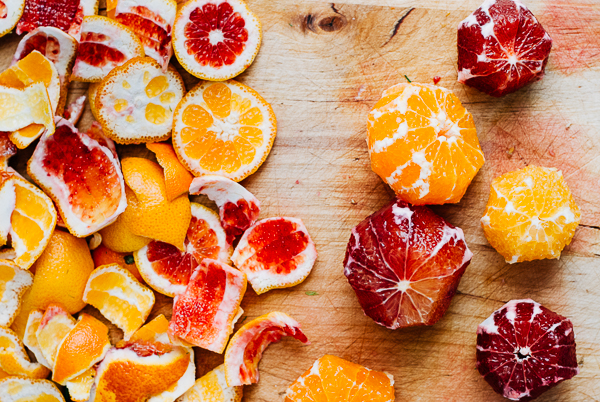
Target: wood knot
[(332, 24)]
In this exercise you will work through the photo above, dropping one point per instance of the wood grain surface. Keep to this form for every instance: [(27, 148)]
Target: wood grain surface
[(323, 66)]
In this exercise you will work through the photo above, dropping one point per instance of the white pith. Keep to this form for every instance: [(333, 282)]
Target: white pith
[(13, 291), (19, 389), (14, 10)]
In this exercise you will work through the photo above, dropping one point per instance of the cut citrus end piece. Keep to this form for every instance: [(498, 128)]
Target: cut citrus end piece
[(332, 378), (66, 16), (216, 40), (155, 331), (135, 102), (54, 327), (223, 128), (14, 359), (120, 298), (204, 315), (213, 387), (404, 264), (167, 270), (82, 177), (10, 12), (8, 199), (149, 213), (14, 281), (275, 253), (30, 336), (75, 109), (7, 150), (105, 256), (84, 346), (177, 177), (238, 207), (153, 23), (246, 347), (18, 389), (119, 238), (423, 143), (80, 387), (104, 45), (530, 214)]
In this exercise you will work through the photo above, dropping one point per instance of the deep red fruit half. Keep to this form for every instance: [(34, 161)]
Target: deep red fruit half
[(66, 15), (405, 263), (501, 48), (524, 349)]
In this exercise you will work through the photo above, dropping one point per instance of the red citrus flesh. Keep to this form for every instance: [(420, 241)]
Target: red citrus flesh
[(75, 109), (66, 15), (43, 43), (95, 53), (3, 10), (501, 48), (405, 263), (7, 148), (144, 348), (238, 216), (524, 349)]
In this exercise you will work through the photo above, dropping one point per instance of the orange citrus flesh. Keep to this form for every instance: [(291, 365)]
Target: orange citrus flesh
[(155, 330), (14, 281), (177, 177), (30, 338), (14, 359), (55, 325), (105, 256), (212, 387), (81, 386)]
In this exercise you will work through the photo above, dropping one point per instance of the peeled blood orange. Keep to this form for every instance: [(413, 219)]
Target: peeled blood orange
[(404, 262), (501, 48), (82, 177)]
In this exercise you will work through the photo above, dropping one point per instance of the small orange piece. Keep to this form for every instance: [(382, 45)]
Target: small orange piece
[(155, 331), (14, 282), (14, 359), (212, 387), (55, 325), (177, 177), (117, 235), (530, 214), (334, 379), (19, 389), (423, 143), (105, 256)]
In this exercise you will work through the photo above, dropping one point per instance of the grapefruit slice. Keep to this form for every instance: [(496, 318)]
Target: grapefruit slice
[(167, 270), (82, 177), (153, 23), (75, 109), (501, 48), (213, 387), (55, 325), (248, 344), (135, 102), (524, 349), (14, 359), (238, 207), (65, 15), (104, 45), (30, 337), (177, 177), (18, 389), (14, 282), (204, 314), (10, 12), (275, 253), (404, 263), (216, 39)]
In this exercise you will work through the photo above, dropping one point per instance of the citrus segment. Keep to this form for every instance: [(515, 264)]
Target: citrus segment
[(212, 387), (30, 337), (205, 313), (75, 109), (275, 253), (177, 177), (55, 325), (14, 281), (334, 379), (19, 389), (155, 330), (246, 347), (223, 128), (238, 207), (10, 12), (104, 256), (65, 15), (135, 102), (216, 40), (404, 264), (14, 359), (153, 23), (423, 143), (104, 45), (80, 387), (120, 298), (167, 270), (530, 214)]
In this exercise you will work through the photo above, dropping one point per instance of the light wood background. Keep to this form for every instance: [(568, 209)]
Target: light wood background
[(323, 66)]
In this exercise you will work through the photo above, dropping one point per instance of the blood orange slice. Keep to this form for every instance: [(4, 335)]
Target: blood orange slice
[(82, 177), (104, 45), (153, 23), (75, 109), (167, 270), (501, 48), (65, 15), (10, 12), (216, 39), (524, 349), (238, 207), (204, 315), (248, 344), (275, 253), (404, 263)]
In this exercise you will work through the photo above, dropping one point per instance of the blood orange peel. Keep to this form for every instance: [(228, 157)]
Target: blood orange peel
[(524, 349), (177, 177), (246, 347), (17, 389), (10, 12), (14, 282), (405, 263), (75, 109), (238, 207)]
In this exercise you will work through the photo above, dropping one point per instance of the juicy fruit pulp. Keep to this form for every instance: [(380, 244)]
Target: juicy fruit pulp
[(524, 349), (65, 15), (212, 387), (405, 264), (501, 48)]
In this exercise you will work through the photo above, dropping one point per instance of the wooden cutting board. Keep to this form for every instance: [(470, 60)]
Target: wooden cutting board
[(323, 66)]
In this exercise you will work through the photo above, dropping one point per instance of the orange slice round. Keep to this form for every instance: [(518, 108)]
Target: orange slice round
[(135, 102), (18, 389), (104, 45), (10, 12), (213, 387), (167, 269), (55, 325), (223, 128), (275, 253), (14, 359), (14, 281), (332, 378), (177, 177), (246, 347), (30, 336), (120, 298), (216, 40), (205, 313)]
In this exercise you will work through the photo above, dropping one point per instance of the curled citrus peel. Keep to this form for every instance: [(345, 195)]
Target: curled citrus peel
[(177, 177), (18, 389), (55, 325), (14, 359), (14, 282), (30, 337)]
